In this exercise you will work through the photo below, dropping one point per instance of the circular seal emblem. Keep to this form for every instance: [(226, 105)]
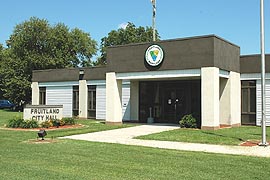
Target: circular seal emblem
[(154, 55)]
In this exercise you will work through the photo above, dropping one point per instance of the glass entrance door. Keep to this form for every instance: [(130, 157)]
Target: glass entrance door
[(169, 100), (174, 104)]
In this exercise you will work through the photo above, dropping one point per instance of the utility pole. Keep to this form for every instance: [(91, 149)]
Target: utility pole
[(154, 19), (263, 120)]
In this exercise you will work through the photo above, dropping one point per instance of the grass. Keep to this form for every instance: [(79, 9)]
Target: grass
[(226, 136), (5, 115), (71, 159), (88, 125)]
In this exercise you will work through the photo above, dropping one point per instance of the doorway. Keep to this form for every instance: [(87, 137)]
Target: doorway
[(169, 101), (174, 104)]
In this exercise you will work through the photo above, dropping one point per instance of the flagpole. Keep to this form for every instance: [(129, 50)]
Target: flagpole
[(263, 120), (154, 19)]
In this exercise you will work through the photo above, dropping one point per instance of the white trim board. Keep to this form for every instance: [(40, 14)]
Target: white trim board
[(166, 74), (253, 76), (159, 74), (54, 84)]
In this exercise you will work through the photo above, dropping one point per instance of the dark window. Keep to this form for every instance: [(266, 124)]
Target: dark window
[(42, 95), (248, 98), (92, 101), (75, 100)]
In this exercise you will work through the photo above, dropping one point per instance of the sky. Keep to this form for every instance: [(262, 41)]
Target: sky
[(237, 21)]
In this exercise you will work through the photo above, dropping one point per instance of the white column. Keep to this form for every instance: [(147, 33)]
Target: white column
[(134, 100), (113, 99), (83, 98), (35, 93), (235, 87), (210, 97)]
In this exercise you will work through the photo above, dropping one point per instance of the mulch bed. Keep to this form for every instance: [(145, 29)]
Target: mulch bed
[(39, 141), (250, 143), (47, 129)]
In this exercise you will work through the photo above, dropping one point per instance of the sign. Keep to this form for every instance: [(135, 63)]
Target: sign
[(43, 112), (154, 55)]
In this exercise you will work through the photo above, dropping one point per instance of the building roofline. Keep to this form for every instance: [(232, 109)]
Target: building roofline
[(71, 68), (253, 55), (177, 39)]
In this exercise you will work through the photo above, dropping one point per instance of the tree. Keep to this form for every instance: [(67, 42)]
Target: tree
[(131, 34), (1, 61), (36, 45)]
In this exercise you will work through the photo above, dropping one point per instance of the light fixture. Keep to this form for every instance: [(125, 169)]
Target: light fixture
[(42, 133), (81, 72)]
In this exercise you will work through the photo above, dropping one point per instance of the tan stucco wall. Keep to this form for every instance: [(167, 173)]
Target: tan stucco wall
[(35, 93), (230, 99), (113, 99), (134, 100), (235, 99), (225, 101), (210, 97), (83, 97)]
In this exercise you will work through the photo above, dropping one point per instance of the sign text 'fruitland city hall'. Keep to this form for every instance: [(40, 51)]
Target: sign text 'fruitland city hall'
[(43, 112)]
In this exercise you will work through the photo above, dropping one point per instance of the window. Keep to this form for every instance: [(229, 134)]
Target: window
[(42, 95), (92, 101), (248, 98), (75, 99)]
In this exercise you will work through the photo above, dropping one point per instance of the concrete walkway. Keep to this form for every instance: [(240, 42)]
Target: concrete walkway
[(126, 135)]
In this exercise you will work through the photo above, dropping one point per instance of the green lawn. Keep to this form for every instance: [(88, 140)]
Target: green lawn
[(71, 159), (5, 115), (226, 136), (88, 125)]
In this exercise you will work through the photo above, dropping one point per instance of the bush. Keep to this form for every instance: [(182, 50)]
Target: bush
[(188, 121), (15, 123), (69, 121), (46, 124), (56, 122), (20, 123), (29, 124)]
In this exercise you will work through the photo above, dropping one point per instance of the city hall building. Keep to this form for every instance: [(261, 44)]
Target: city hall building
[(162, 81)]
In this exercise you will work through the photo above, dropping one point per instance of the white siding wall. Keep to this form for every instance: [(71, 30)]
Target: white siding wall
[(258, 106), (101, 102), (126, 102), (61, 95)]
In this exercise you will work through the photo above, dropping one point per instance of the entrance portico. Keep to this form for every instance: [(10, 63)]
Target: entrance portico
[(170, 79), (217, 93)]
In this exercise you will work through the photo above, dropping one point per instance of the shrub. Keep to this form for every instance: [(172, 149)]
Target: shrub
[(46, 124), (69, 121), (15, 123), (188, 121), (56, 122), (29, 124), (20, 123), (62, 123)]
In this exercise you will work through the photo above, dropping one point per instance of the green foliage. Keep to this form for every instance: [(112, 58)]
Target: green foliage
[(15, 123), (30, 124), (46, 124), (131, 34), (69, 121), (56, 123), (188, 121), (20, 123), (37, 45)]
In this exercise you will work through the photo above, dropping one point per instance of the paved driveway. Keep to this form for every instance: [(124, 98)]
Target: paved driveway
[(126, 135)]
